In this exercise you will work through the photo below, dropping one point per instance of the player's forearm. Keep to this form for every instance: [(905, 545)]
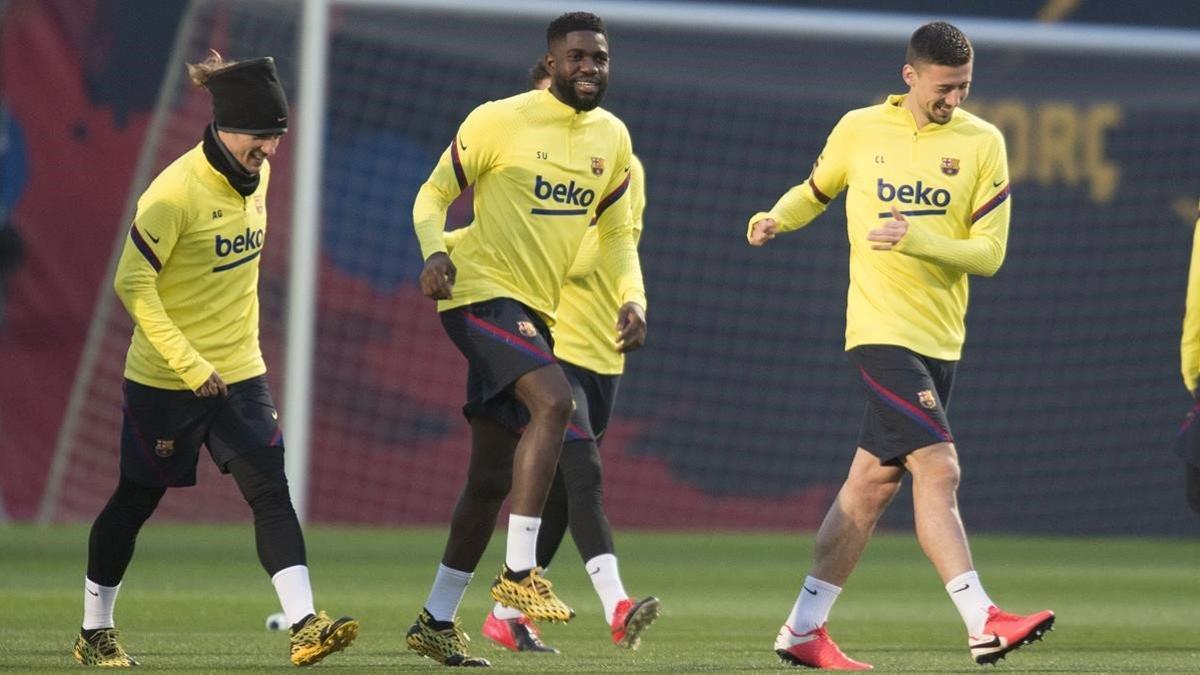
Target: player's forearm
[(140, 297), (981, 255), (1189, 354), (1189, 345), (795, 209), (619, 257), (429, 218)]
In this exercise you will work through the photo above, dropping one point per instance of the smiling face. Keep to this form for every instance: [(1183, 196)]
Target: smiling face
[(250, 150), (578, 65), (934, 90)]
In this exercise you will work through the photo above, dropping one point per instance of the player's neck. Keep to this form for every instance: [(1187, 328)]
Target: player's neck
[(919, 118)]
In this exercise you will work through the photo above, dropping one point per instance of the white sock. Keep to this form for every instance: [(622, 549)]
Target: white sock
[(295, 592), (98, 604), (971, 600), (812, 605), (449, 587), (521, 552), (606, 579), (505, 613)]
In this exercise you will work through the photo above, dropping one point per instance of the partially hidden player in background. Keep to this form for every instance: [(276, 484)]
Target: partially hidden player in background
[(1189, 352), (927, 205), (583, 344), (545, 166), (195, 374)]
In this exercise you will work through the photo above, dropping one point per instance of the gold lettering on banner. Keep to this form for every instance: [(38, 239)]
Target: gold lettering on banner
[(1105, 173)]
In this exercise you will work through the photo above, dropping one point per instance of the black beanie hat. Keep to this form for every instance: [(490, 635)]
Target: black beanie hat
[(248, 98)]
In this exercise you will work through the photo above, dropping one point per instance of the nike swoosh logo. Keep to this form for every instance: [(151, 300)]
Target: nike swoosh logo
[(531, 529), (960, 590), (997, 183), (595, 571), (462, 145), (994, 642), (809, 590), (152, 238), (281, 119), (93, 592)]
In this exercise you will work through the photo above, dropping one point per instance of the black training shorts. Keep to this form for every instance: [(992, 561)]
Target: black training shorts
[(502, 340), (907, 396), (164, 429)]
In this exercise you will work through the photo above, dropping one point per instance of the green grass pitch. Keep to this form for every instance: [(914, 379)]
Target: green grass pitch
[(195, 600)]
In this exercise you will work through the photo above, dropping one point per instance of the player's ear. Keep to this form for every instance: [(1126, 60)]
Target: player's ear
[(908, 74), (548, 61)]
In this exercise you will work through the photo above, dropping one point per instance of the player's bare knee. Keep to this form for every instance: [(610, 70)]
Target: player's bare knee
[(876, 496), (945, 474), (865, 497), (554, 407), (935, 467)]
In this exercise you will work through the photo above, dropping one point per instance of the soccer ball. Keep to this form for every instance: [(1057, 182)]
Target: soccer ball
[(277, 621)]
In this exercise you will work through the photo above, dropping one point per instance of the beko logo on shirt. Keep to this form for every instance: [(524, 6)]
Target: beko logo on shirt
[(919, 194), (247, 241), (568, 193)]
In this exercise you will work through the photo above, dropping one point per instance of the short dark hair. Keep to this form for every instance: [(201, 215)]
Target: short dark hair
[(538, 73), (573, 21), (939, 43)]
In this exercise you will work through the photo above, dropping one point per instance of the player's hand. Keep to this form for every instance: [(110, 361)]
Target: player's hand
[(762, 231), (213, 386), (631, 327), (891, 233), (437, 277)]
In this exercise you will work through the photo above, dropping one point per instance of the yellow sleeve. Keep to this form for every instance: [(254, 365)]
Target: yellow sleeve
[(982, 252), (637, 196), (804, 202), (618, 248), (588, 257), (454, 237), (152, 237), (1189, 345), (470, 154)]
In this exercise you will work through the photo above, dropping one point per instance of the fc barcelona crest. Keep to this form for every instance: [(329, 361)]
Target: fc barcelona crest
[(526, 328), (597, 166), (950, 166), (927, 400), (164, 447)]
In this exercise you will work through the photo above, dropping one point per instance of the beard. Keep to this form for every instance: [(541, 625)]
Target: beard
[(565, 88)]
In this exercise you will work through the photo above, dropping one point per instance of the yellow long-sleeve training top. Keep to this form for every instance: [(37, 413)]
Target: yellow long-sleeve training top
[(188, 276), (543, 172), (587, 308), (951, 183)]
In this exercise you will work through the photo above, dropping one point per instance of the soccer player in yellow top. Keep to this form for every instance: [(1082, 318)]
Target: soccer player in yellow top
[(927, 204), (583, 344), (545, 165), (1189, 354), (188, 276)]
